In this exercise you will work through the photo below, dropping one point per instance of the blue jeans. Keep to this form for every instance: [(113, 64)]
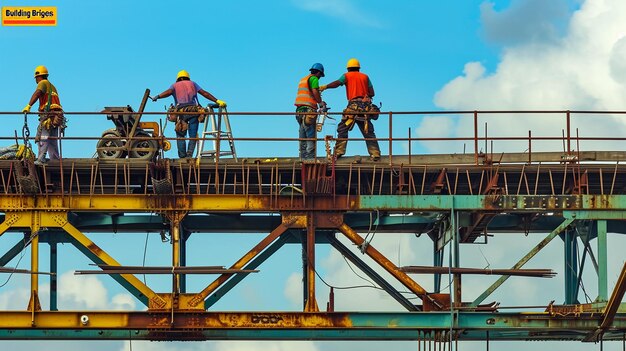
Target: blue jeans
[(307, 147), (183, 150)]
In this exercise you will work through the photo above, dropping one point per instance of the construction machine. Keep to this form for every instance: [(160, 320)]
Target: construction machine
[(131, 138)]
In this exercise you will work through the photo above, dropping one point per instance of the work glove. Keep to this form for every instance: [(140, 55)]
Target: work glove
[(221, 103), (27, 108), (323, 87), (155, 98)]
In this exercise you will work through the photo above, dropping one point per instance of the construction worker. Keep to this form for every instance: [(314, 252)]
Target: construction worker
[(359, 91), (51, 119), (185, 93), (308, 99)]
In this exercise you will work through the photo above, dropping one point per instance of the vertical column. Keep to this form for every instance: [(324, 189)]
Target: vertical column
[(33, 303), (457, 259), (305, 281), (437, 262), (175, 233), (183, 259), (571, 266), (602, 261), (53, 275), (311, 302)]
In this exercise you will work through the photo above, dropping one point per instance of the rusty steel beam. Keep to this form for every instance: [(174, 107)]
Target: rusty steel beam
[(199, 325), (389, 266), (608, 316), (544, 273), (201, 296), (311, 301), (129, 203), (164, 270)]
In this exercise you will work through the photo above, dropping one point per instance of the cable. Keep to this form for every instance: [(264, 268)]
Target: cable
[(32, 236), (366, 241), (346, 287), (355, 273), (145, 250), (486, 260)]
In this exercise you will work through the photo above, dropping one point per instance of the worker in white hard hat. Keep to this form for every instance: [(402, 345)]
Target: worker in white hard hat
[(51, 119), (185, 93), (360, 91)]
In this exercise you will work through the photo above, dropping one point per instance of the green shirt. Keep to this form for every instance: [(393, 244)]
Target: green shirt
[(314, 82)]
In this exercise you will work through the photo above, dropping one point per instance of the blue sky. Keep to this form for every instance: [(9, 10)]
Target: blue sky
[(248, 53), (420, 55)]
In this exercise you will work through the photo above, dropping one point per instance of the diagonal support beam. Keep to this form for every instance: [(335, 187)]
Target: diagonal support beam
[(523, 261), (99, 256), (614, 302), (9, 220), (255, 263), (393, 292), (611, 307), (13, 251), (402, 277), (201, 296)]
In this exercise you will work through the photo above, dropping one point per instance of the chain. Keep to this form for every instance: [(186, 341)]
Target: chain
[(26, 131)]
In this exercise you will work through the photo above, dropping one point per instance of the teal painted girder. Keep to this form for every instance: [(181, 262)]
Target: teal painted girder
[(529, 203), (363, 326)]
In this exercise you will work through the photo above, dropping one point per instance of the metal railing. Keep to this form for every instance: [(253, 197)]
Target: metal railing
[(570, 136)]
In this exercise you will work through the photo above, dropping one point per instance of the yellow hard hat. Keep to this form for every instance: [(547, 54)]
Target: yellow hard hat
[(182, 74), (353, 63), (40, 71)]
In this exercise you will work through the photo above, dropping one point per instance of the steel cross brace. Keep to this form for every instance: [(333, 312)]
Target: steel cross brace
[(524, 260)]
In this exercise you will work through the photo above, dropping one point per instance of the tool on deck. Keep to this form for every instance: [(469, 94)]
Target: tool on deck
[(131, 137)]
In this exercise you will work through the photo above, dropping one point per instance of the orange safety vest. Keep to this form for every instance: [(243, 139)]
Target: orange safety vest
[(305, 94), (55, 103), (356, 85)]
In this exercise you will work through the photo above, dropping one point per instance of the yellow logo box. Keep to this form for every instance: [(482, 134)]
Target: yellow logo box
[(29, 15)]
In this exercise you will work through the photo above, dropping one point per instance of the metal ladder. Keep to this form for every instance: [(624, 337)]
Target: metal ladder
[(216, 133)]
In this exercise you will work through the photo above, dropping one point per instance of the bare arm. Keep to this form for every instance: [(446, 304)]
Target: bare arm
[(370, 91), (165, 94), (316, 95), (36, 95), (333, 85), (207, 95)]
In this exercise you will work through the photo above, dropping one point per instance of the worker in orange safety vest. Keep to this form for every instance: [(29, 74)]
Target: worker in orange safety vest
[(308, 100)]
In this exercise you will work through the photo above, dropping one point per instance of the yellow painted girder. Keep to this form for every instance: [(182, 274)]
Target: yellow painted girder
[(38, 219), (162, 320), (134, 203)]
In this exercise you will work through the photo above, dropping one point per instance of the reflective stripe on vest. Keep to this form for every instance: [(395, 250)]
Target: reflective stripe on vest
[(55, 103), (356, 85), (305, 94)]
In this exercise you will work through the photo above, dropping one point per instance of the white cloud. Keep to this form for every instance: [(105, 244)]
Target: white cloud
[(342, 9), (524, 20), (293, 289), (582, 70)]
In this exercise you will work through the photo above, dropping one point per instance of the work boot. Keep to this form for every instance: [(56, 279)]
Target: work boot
[(375, 158)]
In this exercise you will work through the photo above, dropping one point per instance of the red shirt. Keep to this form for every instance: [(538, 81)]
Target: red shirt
[(357, 84)]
